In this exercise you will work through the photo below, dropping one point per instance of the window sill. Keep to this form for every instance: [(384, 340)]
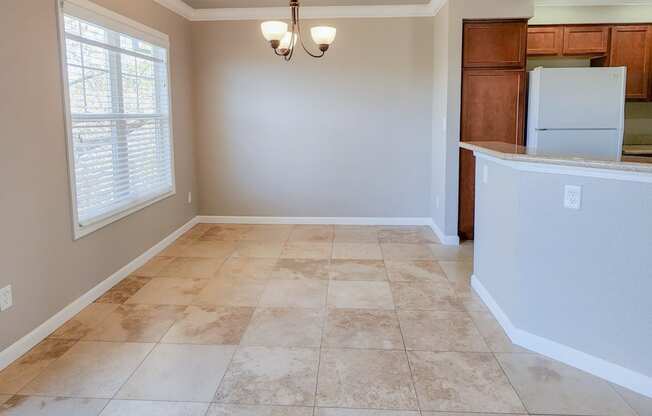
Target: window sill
[(82, 231)]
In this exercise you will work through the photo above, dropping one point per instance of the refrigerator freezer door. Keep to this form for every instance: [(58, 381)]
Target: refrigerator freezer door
[(578, 98), (594, 144)]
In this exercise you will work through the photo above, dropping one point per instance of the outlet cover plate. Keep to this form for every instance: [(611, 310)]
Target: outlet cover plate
[(6, 298), (573, 197)]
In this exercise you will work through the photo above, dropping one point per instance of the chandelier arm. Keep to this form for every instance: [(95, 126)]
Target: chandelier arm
[(308, 52), (289, 55), (301, 40)]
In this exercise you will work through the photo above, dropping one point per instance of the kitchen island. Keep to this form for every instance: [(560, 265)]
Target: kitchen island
[(563, 257)]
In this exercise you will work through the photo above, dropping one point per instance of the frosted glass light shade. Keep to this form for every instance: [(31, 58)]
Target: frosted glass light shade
[(286, 40), (323, 35), (273, 30)]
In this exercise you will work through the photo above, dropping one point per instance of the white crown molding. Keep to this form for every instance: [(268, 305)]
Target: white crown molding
[(179, 7), (567, 3), (260, 13)]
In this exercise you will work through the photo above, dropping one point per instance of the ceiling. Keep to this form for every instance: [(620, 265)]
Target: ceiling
[(213, 4)]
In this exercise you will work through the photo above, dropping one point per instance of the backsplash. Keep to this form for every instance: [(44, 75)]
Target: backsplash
[(638, 123)]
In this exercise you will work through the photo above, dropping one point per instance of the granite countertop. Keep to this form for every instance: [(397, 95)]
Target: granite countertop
[(518, 153)]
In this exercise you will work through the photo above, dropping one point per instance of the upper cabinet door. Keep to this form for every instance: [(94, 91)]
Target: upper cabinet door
[(495, 45), (493, 106), (630, 47), (545, 40), (586, 40)]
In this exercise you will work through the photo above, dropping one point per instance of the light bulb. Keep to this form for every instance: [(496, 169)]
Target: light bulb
[(286, 42), (323, 35), (274, 30)]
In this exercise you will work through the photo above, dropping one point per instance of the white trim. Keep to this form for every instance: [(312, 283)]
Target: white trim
[(599, 367), (313, 12), (310, 12), (179, 7), (447, 240), (26, 343), (211, 219), (113, 21), (559, 168), (80, 230), (566, 3)]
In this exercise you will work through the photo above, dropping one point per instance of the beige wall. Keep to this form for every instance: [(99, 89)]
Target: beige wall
[(46, 268), (439, 115), (591, 14), (345, 136)]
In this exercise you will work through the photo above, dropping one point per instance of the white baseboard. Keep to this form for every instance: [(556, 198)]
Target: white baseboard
[(445, 239), (26, 343), (211, 219), (23, 345), (599, 367)]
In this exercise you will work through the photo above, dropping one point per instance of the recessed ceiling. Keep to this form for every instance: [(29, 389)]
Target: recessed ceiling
[(219, 4)]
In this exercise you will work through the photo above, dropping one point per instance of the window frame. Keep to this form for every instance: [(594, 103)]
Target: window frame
[(108, 19)]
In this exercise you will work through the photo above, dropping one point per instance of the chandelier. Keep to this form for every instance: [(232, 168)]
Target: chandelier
[(284, 42)]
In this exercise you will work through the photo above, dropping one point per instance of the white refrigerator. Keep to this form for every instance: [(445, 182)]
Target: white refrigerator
[(577, 112)]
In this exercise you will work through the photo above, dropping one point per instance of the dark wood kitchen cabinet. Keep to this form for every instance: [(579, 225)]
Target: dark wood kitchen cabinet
[(499, 44), (493, 105), (493, 98), (608, 45), (586, 40), (631, 47), (545, 40)]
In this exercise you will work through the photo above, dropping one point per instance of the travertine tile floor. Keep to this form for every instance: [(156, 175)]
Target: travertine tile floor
[(280, 320)]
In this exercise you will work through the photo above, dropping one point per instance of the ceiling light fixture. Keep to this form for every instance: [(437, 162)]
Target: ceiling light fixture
[(284, 42)]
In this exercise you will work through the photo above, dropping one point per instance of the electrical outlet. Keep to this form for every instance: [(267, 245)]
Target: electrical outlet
[(190, 197), (6, 299), (485, 174), (572, 197)]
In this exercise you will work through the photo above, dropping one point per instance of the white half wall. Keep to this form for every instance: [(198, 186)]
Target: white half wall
[(571, 284)]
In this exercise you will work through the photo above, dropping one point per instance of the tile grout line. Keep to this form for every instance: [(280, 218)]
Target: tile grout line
[(158, 343), (321, 343), (493, 354), (267, 405), (237, 348), (634, 411), (407, 358), (323, 324), (132, 373), (27, 383)]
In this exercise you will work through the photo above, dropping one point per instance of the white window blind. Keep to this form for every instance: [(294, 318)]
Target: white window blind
[(119, 119)]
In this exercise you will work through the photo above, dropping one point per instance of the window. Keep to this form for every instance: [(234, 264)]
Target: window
[(119, 133)]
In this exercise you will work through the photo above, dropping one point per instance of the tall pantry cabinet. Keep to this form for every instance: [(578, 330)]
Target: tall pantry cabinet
[(493, 97)]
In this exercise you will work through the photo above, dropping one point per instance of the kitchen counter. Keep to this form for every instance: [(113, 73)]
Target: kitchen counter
[(506, 151), (570, 281)]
